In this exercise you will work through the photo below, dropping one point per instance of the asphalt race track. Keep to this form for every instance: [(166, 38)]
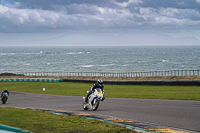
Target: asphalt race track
[(172, 113)]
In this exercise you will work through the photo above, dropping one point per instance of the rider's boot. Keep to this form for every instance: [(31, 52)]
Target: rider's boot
[(86, 99), (103, 99)]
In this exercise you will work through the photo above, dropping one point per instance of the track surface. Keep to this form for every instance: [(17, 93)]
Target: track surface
[(173, 113)]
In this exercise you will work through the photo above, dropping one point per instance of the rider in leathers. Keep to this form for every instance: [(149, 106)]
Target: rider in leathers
[(98, 84), (4, 92)]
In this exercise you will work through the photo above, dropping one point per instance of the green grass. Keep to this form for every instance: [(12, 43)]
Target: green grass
[(39, 121), (118, 91), (155, 92), (45, 122)]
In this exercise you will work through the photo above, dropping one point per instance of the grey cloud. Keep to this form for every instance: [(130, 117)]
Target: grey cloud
[(56, 19), (49, 4), (127, 3), (189, 14), (48, 15), (183, 4)]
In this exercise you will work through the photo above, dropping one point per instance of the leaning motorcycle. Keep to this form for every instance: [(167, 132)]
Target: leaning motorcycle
[(93, 100), (4, 97)]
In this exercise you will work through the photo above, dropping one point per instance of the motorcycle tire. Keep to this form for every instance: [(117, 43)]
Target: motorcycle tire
[(95, 104), (85, 107), (4, 101)]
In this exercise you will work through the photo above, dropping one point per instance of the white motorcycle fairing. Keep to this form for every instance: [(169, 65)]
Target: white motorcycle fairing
[(93, 100)]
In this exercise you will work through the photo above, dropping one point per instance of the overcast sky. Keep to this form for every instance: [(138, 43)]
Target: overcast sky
[(84, 22)]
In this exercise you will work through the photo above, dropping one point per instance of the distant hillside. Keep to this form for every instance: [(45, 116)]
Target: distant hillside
[(125, 39)]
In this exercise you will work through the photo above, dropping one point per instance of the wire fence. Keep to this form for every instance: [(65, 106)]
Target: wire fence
[(112, 74)]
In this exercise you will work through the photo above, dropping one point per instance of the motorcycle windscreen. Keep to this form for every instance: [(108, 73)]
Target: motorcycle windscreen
[(99, 91)]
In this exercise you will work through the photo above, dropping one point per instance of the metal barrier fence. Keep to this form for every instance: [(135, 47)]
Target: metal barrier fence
[(111, 74)]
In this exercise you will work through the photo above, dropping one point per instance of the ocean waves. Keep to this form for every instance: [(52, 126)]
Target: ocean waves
[(99, 59)]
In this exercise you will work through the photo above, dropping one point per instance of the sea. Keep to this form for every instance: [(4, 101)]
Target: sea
[(98, 58)]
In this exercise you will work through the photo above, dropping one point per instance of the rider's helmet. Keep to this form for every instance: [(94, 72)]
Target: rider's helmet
[(100, 81), (5, 90)]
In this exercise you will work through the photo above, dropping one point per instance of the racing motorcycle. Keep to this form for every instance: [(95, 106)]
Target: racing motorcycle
[(93, 100), (4, 97)]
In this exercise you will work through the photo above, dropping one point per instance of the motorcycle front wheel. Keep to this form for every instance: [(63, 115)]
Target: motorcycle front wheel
[(85, 107), (95, 104), (4, 101)]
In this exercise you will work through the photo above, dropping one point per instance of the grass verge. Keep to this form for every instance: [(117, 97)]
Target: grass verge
[(45, 122), (39, 121), (118, 91)]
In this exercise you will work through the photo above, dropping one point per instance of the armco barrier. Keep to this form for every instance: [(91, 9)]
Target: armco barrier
[(163, 82), (30, 80)]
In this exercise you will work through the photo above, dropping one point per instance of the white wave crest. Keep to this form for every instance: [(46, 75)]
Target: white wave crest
[(87, 66)]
